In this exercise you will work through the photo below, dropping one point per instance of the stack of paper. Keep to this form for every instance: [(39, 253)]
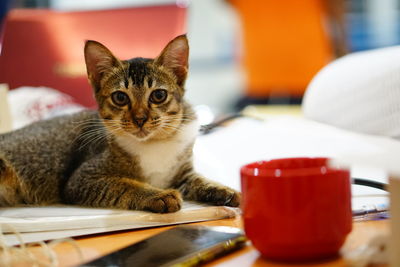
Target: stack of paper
[(46, 223)]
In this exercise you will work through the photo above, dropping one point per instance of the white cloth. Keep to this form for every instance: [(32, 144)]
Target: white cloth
[(30, 104)]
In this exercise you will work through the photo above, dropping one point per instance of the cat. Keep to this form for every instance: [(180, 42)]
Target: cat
[(134, 152)]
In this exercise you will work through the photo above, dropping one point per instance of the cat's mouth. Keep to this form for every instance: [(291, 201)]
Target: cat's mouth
[(141, 133)]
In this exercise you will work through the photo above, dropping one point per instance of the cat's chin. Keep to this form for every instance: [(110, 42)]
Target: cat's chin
[(147, 136), (154, 134), (141, 135)]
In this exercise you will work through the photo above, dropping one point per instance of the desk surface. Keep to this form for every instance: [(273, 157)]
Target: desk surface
[(98, 245)]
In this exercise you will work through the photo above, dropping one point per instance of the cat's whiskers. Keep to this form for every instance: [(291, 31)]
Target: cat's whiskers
[(82, 136), (113, 124), (97, 134), (176, 118), (164, 131), (169, 124), (173, 128), (82, 124), (95, 137), (89, 136), (93, 124), (107, 134)]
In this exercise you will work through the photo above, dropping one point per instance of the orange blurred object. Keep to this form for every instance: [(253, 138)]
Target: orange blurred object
[(285, 44), (45, 47)]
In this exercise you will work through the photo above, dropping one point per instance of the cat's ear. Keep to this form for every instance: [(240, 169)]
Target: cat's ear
[(175, 57), (99, 60)]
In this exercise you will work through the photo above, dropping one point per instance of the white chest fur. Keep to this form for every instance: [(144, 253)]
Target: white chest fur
[(159, 161)]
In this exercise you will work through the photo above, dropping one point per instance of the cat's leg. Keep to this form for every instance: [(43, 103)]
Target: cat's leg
[(89, 187), (194, 186), (10, 187)]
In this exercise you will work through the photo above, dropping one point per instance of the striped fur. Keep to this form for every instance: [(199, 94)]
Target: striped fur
[(135, 152)]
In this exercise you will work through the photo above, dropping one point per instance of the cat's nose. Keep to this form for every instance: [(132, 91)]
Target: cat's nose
[(140, 120)]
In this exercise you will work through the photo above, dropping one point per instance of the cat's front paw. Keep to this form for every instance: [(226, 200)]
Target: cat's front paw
[(223, 196), (164, 202)]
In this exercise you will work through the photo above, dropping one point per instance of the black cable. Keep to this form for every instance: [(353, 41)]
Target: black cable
[(370, 183), (205, 129)]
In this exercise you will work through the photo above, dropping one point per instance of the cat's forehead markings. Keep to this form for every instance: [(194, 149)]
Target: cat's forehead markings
[(159, 84), (149, 82), (124, 84), (129, 83), (138, 69), (121, 87)]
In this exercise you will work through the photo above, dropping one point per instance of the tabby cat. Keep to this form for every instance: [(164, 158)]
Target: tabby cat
[(135, 152)]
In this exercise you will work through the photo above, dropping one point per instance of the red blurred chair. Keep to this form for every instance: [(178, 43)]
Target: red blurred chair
[(45, 47)]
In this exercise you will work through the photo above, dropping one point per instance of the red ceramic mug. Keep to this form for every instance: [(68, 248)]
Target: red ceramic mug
[(296, 209)]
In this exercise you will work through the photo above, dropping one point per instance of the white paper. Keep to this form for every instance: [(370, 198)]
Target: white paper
[(45, 223)]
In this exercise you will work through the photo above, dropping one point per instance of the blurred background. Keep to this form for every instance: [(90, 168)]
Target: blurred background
[(242, 51)]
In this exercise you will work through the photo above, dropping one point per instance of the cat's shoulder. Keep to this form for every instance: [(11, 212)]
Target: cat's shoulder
[(62, 123), (84, 117), (80, 116)]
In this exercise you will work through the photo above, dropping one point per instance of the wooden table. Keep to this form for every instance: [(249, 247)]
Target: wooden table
[(98, 245)]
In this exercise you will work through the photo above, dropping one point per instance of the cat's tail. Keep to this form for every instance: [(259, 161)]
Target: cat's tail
[(9, 185)]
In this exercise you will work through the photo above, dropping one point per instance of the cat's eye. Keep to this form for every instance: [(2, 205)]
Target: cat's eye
[(158, 96), (120, 98)]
